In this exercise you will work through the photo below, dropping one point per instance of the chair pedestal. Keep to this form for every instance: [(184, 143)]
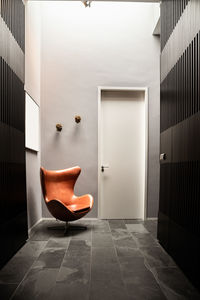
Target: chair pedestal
[(67, 227)]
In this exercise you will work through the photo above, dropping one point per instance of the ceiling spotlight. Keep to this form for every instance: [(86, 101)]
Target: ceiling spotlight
[(87, 3)]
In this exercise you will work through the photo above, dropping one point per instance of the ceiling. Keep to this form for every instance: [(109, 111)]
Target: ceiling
[(152, 1)]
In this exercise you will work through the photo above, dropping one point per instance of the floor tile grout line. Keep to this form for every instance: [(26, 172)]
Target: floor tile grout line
[(71, 239), (145, 262), (89, 285), (148, 267), (13, 294), (63, 258), (90, 264), (160, 284), (122, 278)]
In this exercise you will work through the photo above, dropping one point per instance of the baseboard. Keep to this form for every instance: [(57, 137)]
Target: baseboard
[(49, 219), (87, 219), (32, 227), (152, 219)]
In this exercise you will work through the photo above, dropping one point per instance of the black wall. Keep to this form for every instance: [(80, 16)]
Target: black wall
[(13, 211), (179, 209)]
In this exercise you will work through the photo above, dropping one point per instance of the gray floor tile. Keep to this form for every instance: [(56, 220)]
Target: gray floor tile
[(175, 285), (72, 259), (85, 222), (105, 264), (101, 226), (133, 221), (31, 248), (119, 233), (79, 248), (44, 230), (125, 242), (123, 252), (151, 226), (75, 270), (108, 290), (81, 234), (134, 267), (130, 265), (6, 290), (138, 228), (50, 258), (99, 263), (41, 235), (15, 270), (62, 243), (105, 271), (38, 285), (104, 255), (73, 291), (157, 257), (145, 240), (73, 279), (154, 234), (139, 281), (115, 224), (143, 291), (102, 239), (127, 264)]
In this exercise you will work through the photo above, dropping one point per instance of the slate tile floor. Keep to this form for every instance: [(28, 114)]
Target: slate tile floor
[(111, 260)]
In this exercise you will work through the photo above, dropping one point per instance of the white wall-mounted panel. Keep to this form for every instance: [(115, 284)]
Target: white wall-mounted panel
[(32, 124)]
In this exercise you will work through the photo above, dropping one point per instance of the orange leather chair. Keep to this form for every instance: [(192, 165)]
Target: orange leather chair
[(58, 192)]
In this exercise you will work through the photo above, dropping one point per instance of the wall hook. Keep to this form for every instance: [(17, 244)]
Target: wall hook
[(77, 119), (59, 127)]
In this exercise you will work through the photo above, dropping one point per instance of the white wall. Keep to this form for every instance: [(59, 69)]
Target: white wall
[(32, 87), (108, 44)]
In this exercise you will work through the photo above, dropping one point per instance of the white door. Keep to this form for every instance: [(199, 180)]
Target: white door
[(122, 154)]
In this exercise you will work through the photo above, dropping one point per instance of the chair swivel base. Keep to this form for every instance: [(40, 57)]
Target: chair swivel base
[(67, 227)]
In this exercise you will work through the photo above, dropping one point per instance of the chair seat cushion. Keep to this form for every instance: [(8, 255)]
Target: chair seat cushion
[(81, 204)]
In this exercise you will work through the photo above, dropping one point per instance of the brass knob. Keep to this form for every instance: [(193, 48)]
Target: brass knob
[(77, 119), (59, 127)]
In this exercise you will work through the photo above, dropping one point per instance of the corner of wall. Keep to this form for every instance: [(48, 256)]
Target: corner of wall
[(32, 87)]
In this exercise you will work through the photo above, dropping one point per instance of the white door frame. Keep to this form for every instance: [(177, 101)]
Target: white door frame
[(111, 88)]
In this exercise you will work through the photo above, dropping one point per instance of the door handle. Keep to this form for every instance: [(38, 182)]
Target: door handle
[(104, 167), (163, 156)]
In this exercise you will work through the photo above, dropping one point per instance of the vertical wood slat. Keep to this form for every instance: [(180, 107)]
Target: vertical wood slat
[(171, 13), (13, 221), (187, 89), (179, 224)]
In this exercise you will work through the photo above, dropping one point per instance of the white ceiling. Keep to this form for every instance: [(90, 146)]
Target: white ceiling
[(106, 0)]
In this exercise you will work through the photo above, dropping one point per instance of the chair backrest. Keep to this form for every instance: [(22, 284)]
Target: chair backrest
[(59, 185)]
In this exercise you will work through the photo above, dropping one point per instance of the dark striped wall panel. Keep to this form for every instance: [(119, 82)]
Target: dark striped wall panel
[(180, 89), (13, 14), (13, 209), (179, 208), (170, 14)]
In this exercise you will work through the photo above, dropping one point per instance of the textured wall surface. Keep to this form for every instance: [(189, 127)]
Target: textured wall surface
[(179, 210), (109, 44), (32, 87)]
